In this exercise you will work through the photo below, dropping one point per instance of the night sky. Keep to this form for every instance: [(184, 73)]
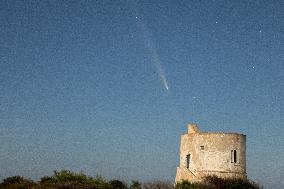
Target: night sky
[(108, 87)]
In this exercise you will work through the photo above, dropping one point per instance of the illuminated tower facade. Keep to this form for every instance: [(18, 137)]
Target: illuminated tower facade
[(211, 153)]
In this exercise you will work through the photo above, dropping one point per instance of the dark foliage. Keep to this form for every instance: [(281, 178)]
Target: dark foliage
[(116, 184), (135, 185), (69, 180), (17, 182), (188, 185), (158, 185), (229, 183), (214, 182)]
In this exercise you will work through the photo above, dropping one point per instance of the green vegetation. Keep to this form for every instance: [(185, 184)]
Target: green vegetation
[(213, 182), (69, 180), (17, 182)]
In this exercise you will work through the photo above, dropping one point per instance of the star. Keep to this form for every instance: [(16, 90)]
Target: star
[(195, 98), (253, 67)]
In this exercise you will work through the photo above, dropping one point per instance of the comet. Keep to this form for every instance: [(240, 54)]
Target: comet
[(153, 52)]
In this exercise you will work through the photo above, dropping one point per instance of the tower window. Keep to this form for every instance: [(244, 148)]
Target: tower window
[(233, 156), (187, 160)]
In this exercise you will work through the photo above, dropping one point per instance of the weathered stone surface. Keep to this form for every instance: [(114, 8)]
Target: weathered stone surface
[(220, 154)]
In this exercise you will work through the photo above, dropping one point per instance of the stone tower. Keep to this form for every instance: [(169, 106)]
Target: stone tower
[(211, 153)]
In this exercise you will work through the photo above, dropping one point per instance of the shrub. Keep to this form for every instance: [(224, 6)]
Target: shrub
[(135, 185), (47, 180), (230, 183), (68, 176), (65, 179), (17, 182), (214, 182), (116, 184), (189, 185), (99, 183), (158, 185)]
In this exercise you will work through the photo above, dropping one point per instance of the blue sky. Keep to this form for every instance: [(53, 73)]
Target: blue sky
[(83, 84)]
